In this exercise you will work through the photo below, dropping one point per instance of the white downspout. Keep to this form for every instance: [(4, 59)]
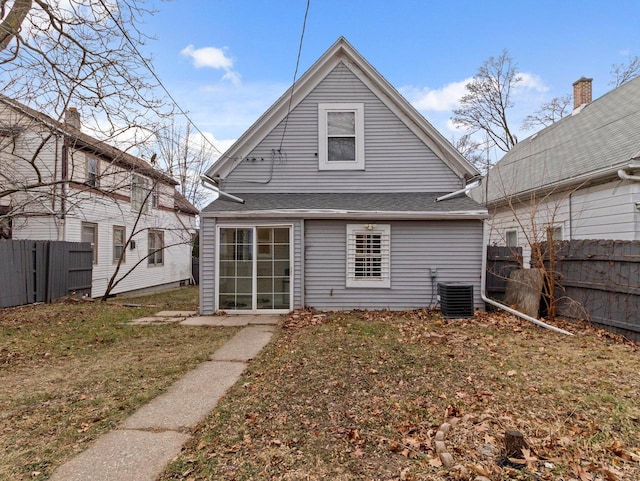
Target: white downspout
[(458, 192), (207, 183), (483, 282)]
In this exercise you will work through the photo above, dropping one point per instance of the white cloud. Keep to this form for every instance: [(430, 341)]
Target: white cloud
[(212, 57), (439, 100), (531, 82)]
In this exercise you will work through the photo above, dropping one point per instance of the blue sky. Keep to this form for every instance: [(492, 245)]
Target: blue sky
[(227, 61)]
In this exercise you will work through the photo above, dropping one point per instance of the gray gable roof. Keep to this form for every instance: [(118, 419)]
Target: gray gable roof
[(591, 144), (377, 205)]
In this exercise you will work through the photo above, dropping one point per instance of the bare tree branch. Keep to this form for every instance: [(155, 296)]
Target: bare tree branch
[(548, 113), (624, 72), (485, 106)]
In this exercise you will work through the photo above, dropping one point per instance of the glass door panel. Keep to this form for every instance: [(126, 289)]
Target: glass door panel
[(273, 271), (236, 269), (247, 282)]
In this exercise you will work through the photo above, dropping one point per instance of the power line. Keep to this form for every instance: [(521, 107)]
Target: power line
[(295, 74), (150, 68)]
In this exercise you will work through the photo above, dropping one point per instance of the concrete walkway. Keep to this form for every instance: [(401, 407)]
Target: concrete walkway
[(141, 447)]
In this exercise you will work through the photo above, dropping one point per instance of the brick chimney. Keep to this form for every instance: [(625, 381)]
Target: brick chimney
[(72, 117), (581, 92)]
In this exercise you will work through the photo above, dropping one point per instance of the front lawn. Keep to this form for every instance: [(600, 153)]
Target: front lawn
[(360, 396), (72, 371)]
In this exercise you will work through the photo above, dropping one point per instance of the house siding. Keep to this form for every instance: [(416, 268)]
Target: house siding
[(208, 257), (394, 156), (454, 248), (176, 265), (42, 212), (605, 211)]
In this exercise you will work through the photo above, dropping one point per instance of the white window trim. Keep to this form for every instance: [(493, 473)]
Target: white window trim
[(506, 236), (384, 281), (93, 178), (558, 226), (139, 182), (254, 309), (323, 161)]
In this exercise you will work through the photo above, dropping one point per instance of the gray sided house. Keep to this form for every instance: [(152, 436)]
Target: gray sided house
[(578, 178), (329, 201)]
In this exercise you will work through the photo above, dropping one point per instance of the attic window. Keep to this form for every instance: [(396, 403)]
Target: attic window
[(341, 136)]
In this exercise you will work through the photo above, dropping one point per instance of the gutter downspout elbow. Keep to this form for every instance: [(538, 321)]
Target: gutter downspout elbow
[(209, 184), (458, 192), (483, 282), (624, 175)]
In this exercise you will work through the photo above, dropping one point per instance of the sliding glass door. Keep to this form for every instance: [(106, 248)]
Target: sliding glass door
[(254, 266)]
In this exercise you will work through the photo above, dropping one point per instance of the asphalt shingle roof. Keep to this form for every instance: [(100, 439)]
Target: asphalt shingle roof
[(376, 202), (602, 137)]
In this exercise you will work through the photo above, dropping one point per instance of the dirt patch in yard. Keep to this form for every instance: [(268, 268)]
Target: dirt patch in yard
[(362, 395)]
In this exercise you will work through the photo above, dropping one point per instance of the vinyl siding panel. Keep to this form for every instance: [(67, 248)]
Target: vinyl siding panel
[(454, 248), (207, 265), (605, 211), (395, 158)]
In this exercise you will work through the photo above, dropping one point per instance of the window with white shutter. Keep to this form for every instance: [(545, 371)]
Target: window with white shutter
[(368, 255)]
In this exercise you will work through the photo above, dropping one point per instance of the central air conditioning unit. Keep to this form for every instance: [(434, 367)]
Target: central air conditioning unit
[(456, 299)]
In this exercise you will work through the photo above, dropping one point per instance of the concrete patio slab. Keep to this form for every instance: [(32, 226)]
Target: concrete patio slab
[(269, 319), (225, 321), (156, 320), (188, 400), (176, 313), (124, 456), (233, 320), (245, 345)]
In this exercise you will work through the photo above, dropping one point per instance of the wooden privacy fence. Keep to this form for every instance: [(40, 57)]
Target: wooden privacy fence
[(599, 280), (42, 271)]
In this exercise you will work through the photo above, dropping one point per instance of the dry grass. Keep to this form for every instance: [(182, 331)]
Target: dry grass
[(360, 396), (70, 372)]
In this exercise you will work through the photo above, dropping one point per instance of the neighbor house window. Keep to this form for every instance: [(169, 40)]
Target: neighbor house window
[(156, 248), (341, 136), (139, 191), (368, 255), (5, 222), (511, 237), (93, 172), (119, 241), (557, 232), (89, 233), (155, 196)]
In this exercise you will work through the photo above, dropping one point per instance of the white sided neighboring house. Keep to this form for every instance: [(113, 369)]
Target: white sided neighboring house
[(70, 186), (578, 178), (330, 201)]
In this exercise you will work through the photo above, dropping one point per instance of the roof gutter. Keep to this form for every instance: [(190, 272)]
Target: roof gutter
[(347, 214), (483, 283), (210, 184)]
